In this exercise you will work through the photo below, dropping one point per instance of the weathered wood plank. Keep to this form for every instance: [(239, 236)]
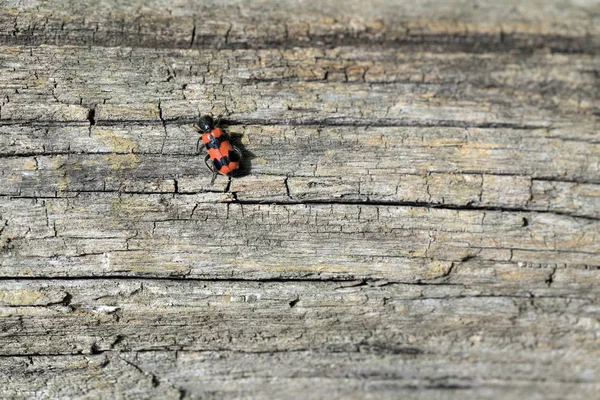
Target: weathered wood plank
[(444, 166), (198, 236), (296, 85), (329, 334), (215, 374), (418, 214), (488, 26), (286, 316)]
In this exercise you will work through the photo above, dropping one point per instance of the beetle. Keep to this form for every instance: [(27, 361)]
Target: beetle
[(225, 158)]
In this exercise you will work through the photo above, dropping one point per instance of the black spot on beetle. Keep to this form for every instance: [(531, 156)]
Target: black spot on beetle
[(222, 162), (214, 143)]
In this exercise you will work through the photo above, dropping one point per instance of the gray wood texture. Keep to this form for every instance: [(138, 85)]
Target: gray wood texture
[(419, 215)]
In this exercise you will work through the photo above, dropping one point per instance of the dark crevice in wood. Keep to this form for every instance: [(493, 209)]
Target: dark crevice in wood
[(91, 116), (550, 279), (160, 113), (465, 207), (366, 348), (74, 153), (379, 122), (193, 36), (475, 42), (322, 122), (32, 154), (179, 278), (65, 302), (445, 386), (345, 282), (294, 302), (336, 202), (287, 187)]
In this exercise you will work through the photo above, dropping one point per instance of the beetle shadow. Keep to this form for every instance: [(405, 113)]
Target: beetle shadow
[(246, 155)]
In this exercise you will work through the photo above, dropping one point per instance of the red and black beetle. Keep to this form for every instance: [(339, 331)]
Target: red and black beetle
[(225, 158)]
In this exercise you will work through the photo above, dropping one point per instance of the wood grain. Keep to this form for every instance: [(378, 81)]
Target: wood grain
[(418, 213)]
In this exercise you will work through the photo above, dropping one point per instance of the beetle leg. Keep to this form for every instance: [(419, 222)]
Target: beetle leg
[(211, 167), (228, 185), (198, 145)]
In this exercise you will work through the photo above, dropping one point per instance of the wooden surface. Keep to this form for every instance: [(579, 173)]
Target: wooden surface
[(419, 214)]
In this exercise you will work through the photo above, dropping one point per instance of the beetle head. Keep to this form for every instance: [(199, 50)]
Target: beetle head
[(206, 123)]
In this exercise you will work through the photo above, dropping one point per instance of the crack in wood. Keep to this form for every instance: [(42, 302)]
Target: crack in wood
[(500, 42)]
